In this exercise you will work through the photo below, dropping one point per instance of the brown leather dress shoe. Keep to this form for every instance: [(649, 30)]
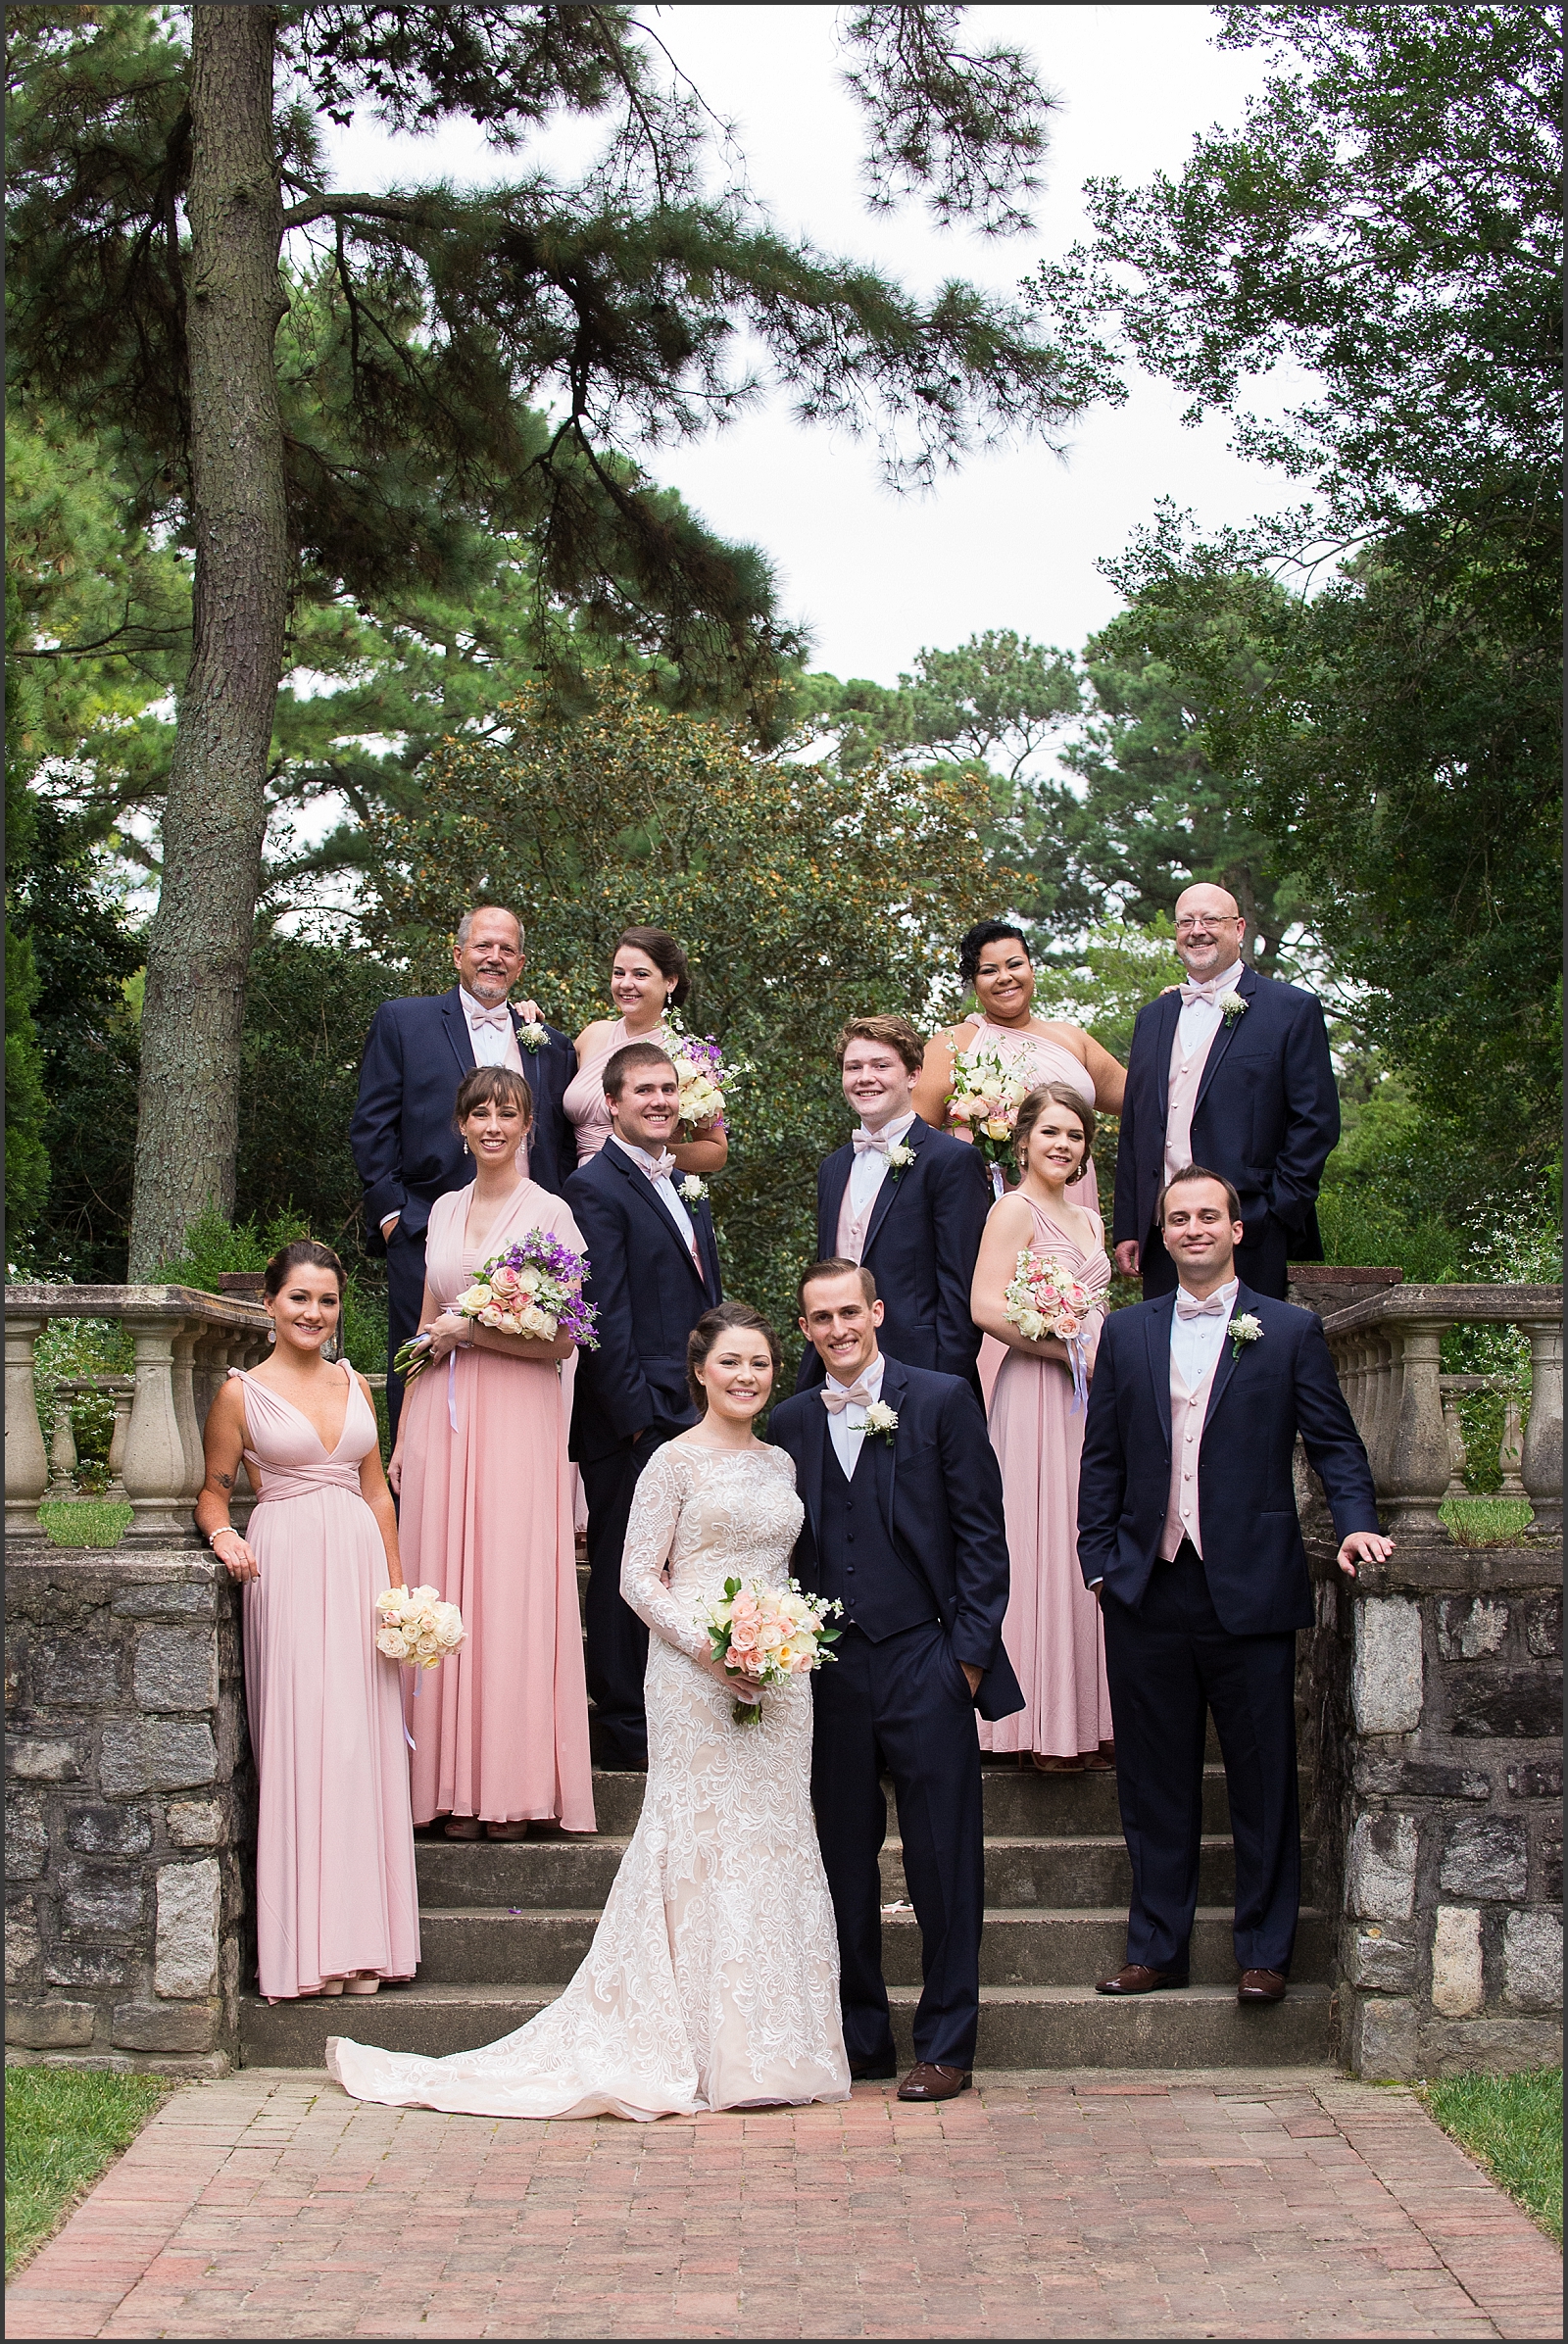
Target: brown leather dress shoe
[(928, 2082), (1260, 1985), (1135, 1978)]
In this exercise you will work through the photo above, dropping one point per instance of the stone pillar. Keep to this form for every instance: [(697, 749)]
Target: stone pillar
[(157, 1474), (27, 1462), (62, 1448), (120, 1390), (1414, 1479), (1542, 1467)]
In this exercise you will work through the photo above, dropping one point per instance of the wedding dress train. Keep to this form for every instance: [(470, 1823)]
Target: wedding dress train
[(712, 1980)]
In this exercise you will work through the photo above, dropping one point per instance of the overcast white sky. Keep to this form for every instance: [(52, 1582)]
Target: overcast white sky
[(1012, 540)]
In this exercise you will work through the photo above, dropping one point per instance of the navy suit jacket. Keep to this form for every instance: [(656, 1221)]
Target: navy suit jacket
[(1267, 1113), (921, 1248), (940, 1489), (1263, 1394), (404, 1148), (649, 1294)]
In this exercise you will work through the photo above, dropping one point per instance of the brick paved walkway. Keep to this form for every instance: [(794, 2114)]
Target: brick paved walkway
[(1235, 2205)]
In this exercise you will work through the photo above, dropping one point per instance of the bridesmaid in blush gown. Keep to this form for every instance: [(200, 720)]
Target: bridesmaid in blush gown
[(1052, 1630), (712, 1980), (500, 1731), (336, 1904), (649, 975)]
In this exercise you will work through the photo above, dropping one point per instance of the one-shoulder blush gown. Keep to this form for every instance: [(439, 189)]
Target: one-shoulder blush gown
[(712, 1980), (335, 1890), (1053, 1631)]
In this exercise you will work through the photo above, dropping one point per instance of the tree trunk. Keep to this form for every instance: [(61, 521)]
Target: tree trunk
[(216, 813)]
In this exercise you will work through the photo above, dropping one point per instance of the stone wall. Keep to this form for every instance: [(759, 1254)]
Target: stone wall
[(1431, 1698), (128, 1810)]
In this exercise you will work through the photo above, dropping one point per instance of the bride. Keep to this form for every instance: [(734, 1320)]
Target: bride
[(712, 1980)]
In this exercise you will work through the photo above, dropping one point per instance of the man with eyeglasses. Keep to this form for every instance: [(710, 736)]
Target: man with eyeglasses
[(1230, 1070)]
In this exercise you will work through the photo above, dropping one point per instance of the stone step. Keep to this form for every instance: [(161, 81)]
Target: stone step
[(1020, 2027), (575, 1875), (1042, 1949), (1017, 1801)]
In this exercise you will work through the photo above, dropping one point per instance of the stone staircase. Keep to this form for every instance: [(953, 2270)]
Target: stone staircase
[(504, 1927)]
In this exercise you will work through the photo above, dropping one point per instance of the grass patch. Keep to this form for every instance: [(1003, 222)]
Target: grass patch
[(1487, 1521), (1512, 2125), (84, 1520), (63, 2128)]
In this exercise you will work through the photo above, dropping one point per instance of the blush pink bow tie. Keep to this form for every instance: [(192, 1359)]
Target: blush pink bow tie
[(1187, 1306), (490, 1017), (660, 1167), (1211, 991), (835, 1402), (869, 1142)]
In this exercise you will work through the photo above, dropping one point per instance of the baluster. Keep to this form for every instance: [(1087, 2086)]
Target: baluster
[(1379, 1371), (1511, 1449), (26, 1461), (62, 1448), (155, 1471), (186, 1339), (1457, 1459), (1540, 1468), (120, 1390), (1418, 1471)]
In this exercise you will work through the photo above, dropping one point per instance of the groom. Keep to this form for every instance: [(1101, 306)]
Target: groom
[(904, 1528)]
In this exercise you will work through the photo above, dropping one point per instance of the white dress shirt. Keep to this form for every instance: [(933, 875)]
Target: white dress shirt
[(871, 1166), (492, 1045), (1199, 1019), (847, 1430), (664, 1189), (1194, 1343)]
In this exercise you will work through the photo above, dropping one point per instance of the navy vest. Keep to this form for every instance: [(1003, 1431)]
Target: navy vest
[(860, 1565)]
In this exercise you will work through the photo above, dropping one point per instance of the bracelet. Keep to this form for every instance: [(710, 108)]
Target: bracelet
[(213, 1535)]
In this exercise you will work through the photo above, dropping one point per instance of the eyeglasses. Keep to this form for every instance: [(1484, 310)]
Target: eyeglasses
[(1207, 919)]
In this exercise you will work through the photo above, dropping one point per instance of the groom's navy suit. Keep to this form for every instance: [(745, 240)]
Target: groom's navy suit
[(1216, 1631), (631, 1397), (407, 1152), (921, 1247), (1266, 1116), (914, 1545)]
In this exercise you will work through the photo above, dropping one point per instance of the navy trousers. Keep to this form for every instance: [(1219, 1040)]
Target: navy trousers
[(1168, 1664), (618, 1640), (1260, 1263), (902, 1705)]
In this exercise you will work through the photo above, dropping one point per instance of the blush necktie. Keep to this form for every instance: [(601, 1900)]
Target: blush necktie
[(835, 1402)]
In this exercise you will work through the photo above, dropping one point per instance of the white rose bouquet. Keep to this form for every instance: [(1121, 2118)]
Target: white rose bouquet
[(418, 1629)]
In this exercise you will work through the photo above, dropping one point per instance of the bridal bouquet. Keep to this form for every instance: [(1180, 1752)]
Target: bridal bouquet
[(1043, 1301), (417, 1628), (705, 1077), (531, 1287), (768, 1635), (986, 1099)]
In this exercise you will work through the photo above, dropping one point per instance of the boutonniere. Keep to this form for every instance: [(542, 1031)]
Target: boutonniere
[(1244, 1328), (691, 1191), (533, 1035), (1231, 1008), (881, 1421), (900, 1157)]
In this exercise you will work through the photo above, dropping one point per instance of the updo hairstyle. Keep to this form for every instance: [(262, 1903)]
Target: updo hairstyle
[(667, 956), (482, 1083), (983, 932), (1030, 1111), (303, 1253), (705, 1335)]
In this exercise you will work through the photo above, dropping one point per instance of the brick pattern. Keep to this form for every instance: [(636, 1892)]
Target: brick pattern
[(1294, 2205), (127, 1785)]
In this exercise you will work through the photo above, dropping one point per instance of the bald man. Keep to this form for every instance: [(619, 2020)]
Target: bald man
[(1230, 1070)]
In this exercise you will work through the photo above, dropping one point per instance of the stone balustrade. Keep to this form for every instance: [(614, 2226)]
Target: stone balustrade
[(185, 1343)]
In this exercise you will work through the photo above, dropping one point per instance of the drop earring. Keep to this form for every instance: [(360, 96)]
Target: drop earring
[(271, 1330)]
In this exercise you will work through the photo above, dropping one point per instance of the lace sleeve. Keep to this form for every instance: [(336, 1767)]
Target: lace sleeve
[(650, 1536)]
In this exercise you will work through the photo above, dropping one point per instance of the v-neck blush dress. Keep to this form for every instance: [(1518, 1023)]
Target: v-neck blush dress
[(335, 1890)]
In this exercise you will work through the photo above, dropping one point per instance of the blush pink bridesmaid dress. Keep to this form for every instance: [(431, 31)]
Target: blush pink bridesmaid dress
[(484, 1515), (1052, 1630), (335, 1892)]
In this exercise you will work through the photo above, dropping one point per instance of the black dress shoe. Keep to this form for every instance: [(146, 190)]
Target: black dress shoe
[(1135, 1977), (1260, 1985), (927, 2082), (873, 2070)]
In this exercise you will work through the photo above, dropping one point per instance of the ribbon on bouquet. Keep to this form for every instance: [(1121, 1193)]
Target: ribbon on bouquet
[(1079, 1358), (452, 1397), (999, 1183)]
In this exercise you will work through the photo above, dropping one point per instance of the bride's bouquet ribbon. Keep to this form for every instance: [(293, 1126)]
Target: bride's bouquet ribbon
[(765, 1635), (1043, 1300)]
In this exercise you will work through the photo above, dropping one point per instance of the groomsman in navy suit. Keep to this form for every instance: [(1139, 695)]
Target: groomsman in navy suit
[(652, 1272), (1187, 1527), (904, 1528), (1229, 1069), (404, 1148), (908, 1202)]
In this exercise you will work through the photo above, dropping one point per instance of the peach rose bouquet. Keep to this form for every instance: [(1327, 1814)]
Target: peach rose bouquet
[(985, 1100), (1043, 1300), (533, 1288), (765, 1635)]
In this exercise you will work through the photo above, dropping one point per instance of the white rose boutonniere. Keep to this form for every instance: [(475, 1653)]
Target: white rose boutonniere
[(1244, 1328), (1231, 1008), (691, 1191), (900, 1157), (532, 1035), (881, 1421)]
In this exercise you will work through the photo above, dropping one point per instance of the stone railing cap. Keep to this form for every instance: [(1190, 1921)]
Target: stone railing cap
[(133, 1303), (1454, 1305)]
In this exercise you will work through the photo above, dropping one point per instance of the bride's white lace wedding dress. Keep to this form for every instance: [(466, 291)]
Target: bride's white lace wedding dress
[(712, 1980)]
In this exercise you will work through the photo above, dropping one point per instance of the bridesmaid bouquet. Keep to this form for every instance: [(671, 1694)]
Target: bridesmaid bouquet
[(531, 1287), (985, 1100), (417, 1628), (768, 1635), (703, 1078), (1043, 1301)]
